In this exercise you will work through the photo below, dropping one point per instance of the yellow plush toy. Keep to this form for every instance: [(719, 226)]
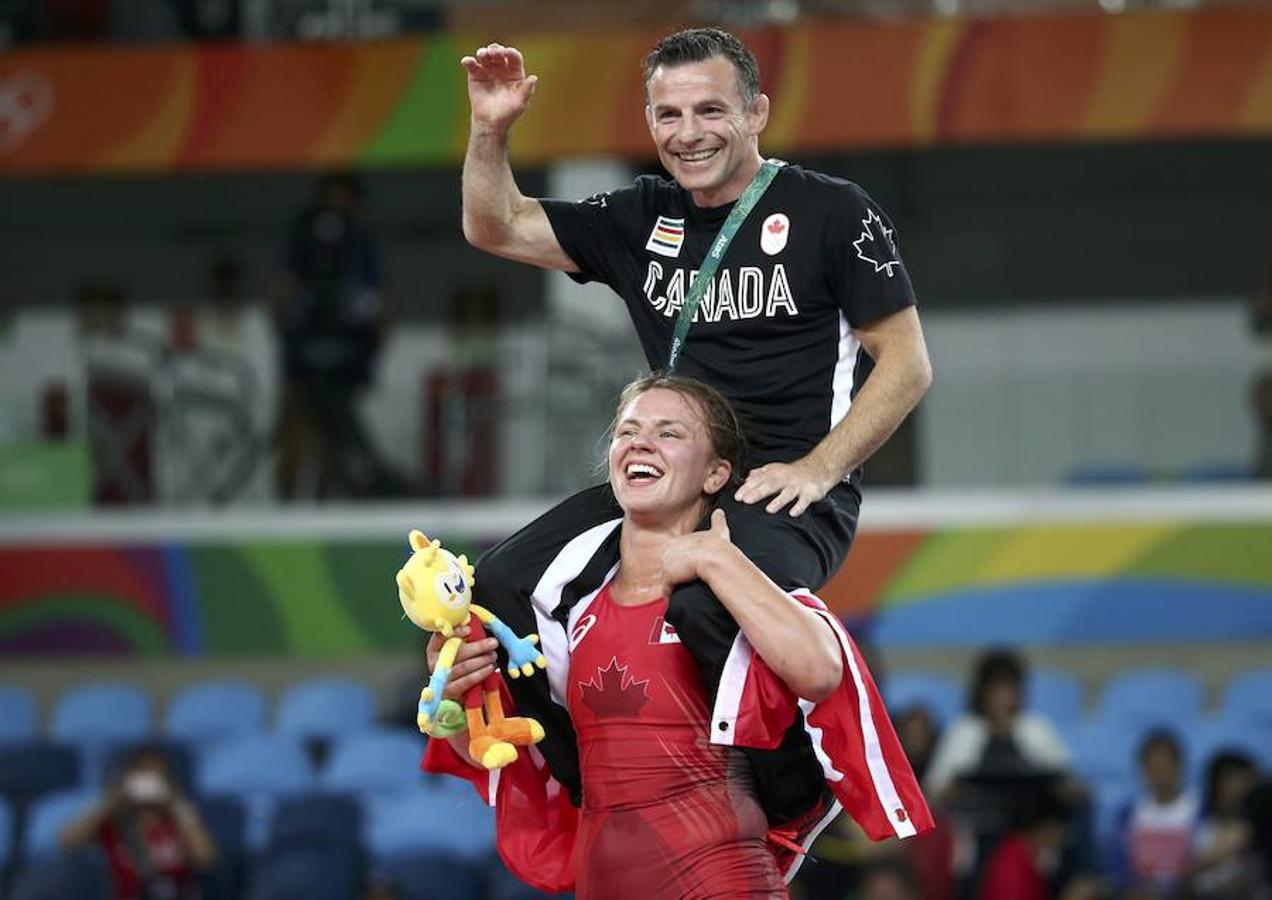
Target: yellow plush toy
[(435, 588)]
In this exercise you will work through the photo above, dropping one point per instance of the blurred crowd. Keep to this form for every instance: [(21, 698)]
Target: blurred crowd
[(1023, 814), (1038, 796)]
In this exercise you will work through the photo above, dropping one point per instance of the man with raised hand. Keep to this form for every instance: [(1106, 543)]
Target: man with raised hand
[(807, 296)]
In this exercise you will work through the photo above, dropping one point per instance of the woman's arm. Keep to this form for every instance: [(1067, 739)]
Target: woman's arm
[(794, 641)]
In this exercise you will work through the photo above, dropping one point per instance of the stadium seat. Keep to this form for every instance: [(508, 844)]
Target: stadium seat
[(17, 714), (213, 710), (258, 770), (82, 876), (941, 695), (327, 708), (49, 815), (1221, 733), (1056, 695), (310, 873), (414, 877), (1248, 697), (1103, 751), (27, 770), (444, 815), (226, 820), (380, 761), (103, 713), (317, 820), (1141, 699)]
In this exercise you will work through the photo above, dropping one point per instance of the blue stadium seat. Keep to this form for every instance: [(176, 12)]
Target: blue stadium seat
[(310, 873), (226, 820), (381, 761), (258, 770), (942, 696), (49, 815), (1056, 695), (27, 770), (1146, 698), (212, 710), (327, 708), (1248, 697), (317, 820), (17, 714), (1104, 751), (102, 713), (82, 876), (1223, 733), (97, 717), (414, 877), (445, 815)]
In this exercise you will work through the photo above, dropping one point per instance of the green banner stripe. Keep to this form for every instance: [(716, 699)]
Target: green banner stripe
[(422, 127), (142, 633), (312, 612)]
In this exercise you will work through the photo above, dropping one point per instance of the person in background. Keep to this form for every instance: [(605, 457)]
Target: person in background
[(1026, 861), (153, 837), (1220, 868), (919, 736), (330, 319), (997, 736), (1158, 828)]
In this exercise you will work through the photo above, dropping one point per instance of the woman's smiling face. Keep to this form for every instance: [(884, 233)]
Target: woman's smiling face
[(661, 459)]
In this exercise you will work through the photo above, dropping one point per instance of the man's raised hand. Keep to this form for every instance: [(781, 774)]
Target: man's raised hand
[(499, 90)]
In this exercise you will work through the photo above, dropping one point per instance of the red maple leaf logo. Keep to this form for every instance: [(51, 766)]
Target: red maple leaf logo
[(612, 692), (776, 226)]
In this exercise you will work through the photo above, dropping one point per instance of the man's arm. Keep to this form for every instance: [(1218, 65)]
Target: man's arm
[(901, 376), (498, 218)]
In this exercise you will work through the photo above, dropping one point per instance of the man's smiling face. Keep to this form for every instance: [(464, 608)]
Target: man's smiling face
[(706, 133)]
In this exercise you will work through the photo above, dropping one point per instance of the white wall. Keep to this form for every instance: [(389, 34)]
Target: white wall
[(1026, 395)]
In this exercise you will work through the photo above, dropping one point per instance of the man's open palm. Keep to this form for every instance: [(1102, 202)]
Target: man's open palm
[(499, 89)]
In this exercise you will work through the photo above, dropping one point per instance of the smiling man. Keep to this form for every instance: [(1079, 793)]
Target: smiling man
[(809, 298)]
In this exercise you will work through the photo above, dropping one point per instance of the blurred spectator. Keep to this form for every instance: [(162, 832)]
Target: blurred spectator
[(153, 837), (1221, 868), (918, 733), (330, 320), (1158, 829), (1027, 860), (996, 737), (1256, 811)]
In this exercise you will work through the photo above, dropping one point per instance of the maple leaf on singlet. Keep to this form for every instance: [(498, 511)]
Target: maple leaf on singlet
[(612, 692)]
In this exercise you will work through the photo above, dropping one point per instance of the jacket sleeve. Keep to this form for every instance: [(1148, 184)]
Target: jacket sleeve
[(852, 735)]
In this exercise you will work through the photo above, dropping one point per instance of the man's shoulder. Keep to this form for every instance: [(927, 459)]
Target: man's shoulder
[(821, 186)]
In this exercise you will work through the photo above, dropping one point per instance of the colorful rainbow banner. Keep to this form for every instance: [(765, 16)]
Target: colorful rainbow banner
[(836, 85), (1040, 585)]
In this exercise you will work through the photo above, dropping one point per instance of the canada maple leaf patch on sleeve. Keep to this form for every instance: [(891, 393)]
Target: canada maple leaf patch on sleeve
[(876, 245)]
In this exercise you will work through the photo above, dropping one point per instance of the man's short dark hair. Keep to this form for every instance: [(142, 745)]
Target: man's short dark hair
[(699, 44)]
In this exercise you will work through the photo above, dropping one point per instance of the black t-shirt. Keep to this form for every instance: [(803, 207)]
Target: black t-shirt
[(814, 259)]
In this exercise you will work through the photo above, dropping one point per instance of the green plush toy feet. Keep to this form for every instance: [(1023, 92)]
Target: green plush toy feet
[(450, 720)]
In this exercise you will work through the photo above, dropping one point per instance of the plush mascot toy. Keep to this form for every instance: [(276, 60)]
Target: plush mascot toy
[(436, 592)]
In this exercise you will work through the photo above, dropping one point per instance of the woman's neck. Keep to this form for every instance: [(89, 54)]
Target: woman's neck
[(640, 573)]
